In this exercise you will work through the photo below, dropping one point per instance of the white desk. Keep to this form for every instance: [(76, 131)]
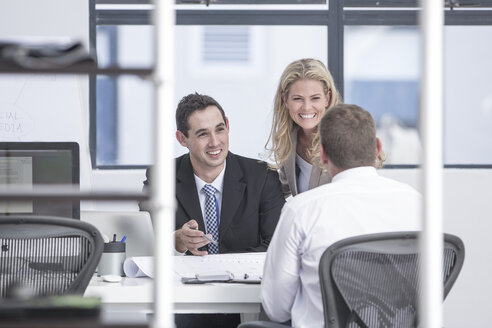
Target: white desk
[(136, 295)]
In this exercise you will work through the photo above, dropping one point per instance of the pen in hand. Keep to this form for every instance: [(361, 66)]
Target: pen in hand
[(206, 237), (210, 240)]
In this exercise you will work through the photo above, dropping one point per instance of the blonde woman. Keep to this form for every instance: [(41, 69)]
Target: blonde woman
[(306, 90)]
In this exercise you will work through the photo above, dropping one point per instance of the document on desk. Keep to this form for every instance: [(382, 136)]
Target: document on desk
[(235, 267), (139, 266)]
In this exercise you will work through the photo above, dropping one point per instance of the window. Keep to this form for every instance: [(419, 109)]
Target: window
[(467, 95), (235, 51), (382, 74), (125, 103)]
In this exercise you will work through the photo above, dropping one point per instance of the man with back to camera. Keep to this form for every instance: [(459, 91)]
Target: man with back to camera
[(235, 200), (357, 202)]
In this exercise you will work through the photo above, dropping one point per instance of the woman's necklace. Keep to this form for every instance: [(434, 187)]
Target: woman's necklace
[(304, 143)]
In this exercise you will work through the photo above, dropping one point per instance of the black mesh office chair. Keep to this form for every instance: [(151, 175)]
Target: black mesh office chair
[(373, 280), (47, 255)]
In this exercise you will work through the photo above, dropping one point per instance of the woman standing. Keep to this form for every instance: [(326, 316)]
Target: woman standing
[(306, 90)]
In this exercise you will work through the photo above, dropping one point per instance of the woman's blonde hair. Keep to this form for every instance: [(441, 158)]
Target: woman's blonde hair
[(282, 124)]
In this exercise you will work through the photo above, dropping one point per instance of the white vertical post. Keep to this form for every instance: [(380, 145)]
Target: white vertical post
[(163, 199), (431, 122)]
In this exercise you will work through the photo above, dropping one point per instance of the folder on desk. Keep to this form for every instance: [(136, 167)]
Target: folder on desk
[(227, 277), (230, 268)]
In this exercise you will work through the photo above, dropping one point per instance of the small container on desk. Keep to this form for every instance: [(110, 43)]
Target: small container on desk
[(112, 258)]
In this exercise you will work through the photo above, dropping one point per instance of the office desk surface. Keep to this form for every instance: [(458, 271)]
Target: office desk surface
[(136, 295)]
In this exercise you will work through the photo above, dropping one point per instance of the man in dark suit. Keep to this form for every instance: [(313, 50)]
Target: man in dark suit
[(250, 206), (246, 194)]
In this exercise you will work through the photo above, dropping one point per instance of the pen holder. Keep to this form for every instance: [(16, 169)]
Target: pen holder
[(112, 259)]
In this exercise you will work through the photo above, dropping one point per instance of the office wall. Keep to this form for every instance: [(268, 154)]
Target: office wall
[(47, 18), (467, 214), (46, 107)]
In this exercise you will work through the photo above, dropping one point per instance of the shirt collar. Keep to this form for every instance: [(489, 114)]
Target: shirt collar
[(218, 183), (355, 172)]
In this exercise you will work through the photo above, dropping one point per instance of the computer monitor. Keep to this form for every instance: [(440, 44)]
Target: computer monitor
[(40, 163)]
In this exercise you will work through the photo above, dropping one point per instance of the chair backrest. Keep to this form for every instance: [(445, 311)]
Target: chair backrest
[(48, 255), (373, 280)]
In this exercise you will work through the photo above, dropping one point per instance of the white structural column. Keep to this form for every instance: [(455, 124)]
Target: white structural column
[(431, 123), (163, 200)]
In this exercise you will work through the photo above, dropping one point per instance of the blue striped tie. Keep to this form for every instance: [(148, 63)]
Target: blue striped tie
[(211, 217)]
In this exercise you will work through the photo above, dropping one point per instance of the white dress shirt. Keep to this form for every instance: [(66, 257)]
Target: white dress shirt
[(358, 201)]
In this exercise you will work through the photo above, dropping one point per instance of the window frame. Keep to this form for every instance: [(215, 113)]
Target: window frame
[(337, 15)]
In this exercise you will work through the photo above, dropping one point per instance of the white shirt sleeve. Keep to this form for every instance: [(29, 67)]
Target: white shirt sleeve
[(280, 282)]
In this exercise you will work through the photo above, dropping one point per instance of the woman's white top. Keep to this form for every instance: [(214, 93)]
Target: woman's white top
[(304, 174)]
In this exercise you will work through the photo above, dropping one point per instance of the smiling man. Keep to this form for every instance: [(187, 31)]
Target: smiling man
[(225, 202)]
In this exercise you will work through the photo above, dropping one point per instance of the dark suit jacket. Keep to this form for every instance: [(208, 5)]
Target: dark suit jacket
[(251, 203)]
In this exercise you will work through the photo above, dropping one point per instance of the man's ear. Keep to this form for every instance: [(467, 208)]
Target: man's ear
[(379, 147), (324, 157), (181, 138), (227, 123)]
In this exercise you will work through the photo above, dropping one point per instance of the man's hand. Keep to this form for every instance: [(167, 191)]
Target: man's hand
[(190, 238)]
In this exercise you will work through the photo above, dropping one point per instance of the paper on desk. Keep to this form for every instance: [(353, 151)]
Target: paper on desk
[(140, 266), (241, 265)]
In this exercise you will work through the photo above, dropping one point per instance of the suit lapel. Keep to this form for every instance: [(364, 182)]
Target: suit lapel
[(232, 193), (318, 177), (186, 192), (315, 177), (290, 164)]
